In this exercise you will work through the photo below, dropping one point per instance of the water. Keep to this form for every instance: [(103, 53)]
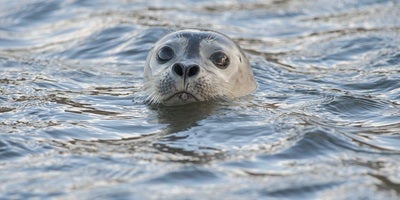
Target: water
[(324, 122)]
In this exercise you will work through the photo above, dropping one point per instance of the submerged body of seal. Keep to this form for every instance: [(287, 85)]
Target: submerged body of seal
[(196, 65)]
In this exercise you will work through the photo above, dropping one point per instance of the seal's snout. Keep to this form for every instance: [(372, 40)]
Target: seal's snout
[(185, 71)]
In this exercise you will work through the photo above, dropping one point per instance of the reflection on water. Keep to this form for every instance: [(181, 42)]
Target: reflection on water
[(180, 118), (324, 122)]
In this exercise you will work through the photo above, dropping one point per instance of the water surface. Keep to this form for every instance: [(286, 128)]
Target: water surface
[(324, 122)]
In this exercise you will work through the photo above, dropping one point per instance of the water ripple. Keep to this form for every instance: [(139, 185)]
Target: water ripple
[(73, 123)]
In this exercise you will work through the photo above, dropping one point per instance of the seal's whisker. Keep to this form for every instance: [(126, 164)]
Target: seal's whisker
[(153, 98)]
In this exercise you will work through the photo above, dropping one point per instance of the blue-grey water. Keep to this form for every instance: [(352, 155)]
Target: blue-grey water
[(324, 122)]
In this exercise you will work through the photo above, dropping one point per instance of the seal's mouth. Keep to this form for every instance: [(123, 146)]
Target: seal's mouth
[(182, 96)]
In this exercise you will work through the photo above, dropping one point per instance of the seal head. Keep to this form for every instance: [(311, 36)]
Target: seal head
[(195, 65)]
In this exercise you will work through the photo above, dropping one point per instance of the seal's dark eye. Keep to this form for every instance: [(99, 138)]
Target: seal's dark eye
[(165, 54), (220, 59)]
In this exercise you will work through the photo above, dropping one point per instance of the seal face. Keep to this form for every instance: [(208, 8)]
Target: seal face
[(196, 65)]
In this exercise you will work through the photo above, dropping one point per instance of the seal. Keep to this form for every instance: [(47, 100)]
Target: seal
[(195, 65)]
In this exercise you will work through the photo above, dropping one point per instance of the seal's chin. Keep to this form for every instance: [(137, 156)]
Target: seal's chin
[(181, 98)]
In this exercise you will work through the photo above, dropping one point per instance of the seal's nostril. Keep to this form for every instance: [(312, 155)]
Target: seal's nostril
[(185, 71), (178, 68), (193, 70)]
